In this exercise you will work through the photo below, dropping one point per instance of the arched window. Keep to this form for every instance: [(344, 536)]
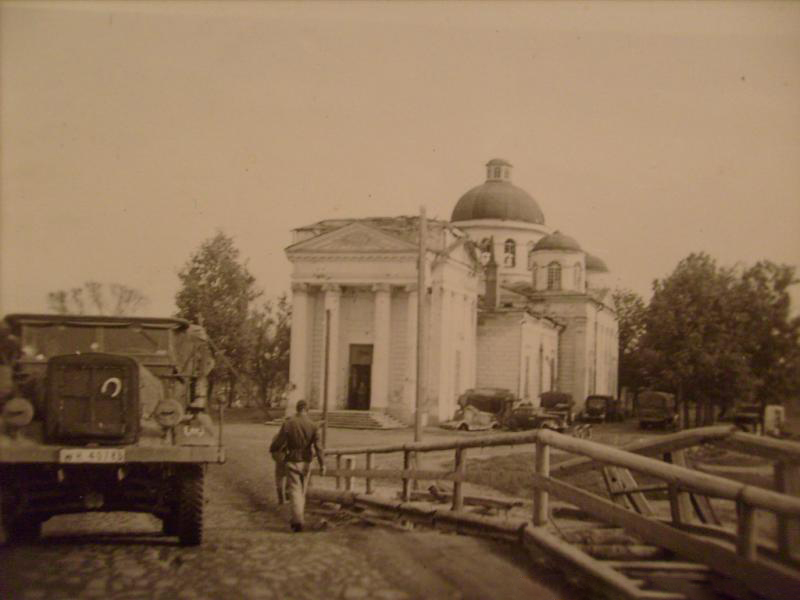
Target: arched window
[(578, 276), (535, 275), (554, 276), (497, 172), (510, 258), (530, 256)]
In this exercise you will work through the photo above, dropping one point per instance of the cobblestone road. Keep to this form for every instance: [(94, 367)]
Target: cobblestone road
[(248, 552)]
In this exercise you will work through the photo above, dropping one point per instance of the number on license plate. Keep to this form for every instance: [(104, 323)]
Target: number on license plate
[(91, 455)]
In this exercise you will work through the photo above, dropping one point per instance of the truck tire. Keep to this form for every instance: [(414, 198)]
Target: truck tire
[(169, 523), (24, 530), (190, 506)]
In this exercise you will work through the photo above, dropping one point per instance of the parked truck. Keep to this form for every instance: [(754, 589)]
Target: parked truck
[(103, 413)]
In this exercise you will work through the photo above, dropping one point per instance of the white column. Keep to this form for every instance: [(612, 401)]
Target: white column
[(299, 349), (410, 391), (333, 294), (379, 396)]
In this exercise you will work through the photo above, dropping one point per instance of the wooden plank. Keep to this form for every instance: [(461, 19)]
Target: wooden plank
[(657, 565), (787, 481), (686, 479), (768, 579), (572, 560), (487, 501), (640, 503), (615, 488), (396, 474), (760, 445), (497, 439), (650, 447), (642, 489)]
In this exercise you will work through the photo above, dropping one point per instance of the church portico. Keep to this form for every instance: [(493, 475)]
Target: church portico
[(356, 300)]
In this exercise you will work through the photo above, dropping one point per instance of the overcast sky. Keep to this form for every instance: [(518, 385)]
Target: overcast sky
[(132, 132)]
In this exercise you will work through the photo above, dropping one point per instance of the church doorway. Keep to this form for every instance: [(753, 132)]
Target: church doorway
[(360, 377)]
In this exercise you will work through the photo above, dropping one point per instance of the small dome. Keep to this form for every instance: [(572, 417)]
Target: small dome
[(498, 198), (557, 241), (498, 162), (596, 264)]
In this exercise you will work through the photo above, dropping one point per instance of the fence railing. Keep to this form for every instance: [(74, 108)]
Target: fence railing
[(742, 562)]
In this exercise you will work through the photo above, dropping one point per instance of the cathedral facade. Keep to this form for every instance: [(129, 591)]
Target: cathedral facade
[(509, 304)]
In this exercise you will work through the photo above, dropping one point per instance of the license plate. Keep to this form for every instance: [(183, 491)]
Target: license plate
[(91, 455)]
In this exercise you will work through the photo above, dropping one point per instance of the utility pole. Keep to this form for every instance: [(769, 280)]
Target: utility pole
[(325, 378), (422, 294)]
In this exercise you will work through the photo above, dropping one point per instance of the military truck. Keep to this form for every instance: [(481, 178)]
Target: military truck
[(104, 413)]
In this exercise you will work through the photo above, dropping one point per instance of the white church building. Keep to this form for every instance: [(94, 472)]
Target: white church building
[(510, 304)]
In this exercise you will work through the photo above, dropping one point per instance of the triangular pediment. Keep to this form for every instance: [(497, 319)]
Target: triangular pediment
[(353, 238)]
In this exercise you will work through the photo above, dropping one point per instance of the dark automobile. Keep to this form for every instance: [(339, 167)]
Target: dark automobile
[(527, 416), (558, 403), (602, 408), (104, 413), (748, 416), (657, 409)]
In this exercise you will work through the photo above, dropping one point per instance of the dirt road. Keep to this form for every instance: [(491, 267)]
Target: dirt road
[(249, 553)]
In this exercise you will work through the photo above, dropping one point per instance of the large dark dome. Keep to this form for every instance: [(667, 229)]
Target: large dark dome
[(498, 198)]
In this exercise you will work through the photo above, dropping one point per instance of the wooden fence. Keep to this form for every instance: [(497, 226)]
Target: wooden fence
[(744, 561)]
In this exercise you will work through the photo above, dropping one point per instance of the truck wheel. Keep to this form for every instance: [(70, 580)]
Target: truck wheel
[(25, 530), (169, 523), (190, 506)]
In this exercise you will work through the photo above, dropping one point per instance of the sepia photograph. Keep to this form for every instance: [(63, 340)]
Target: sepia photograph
[(399, 300)]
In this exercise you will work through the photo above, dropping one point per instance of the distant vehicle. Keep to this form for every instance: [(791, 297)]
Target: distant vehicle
[(481, 409), (748, 416), (657, 409), (527, 416), (470, 418), (496, 401), (558, 403), (602, 408), (104, 413)]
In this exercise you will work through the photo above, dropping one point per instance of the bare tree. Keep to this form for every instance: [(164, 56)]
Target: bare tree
[(97, 298)]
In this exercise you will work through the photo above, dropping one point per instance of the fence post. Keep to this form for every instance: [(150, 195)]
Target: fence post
[(787, 481), (680, 504), (370, 466), (338, 468), (746, 542), (540, 496), (349, 464), (458, 486), (406, 480)]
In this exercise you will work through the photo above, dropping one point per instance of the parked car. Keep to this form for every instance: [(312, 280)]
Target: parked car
[(527, 416), (558, 403), (748, 416), (602, 408), (657, 409), (470, 418)]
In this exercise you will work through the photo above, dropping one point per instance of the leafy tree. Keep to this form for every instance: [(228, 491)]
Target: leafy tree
[(692, 330), (217, 291), (269, 367), (631, 310), (768, 334), (96, 298)]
